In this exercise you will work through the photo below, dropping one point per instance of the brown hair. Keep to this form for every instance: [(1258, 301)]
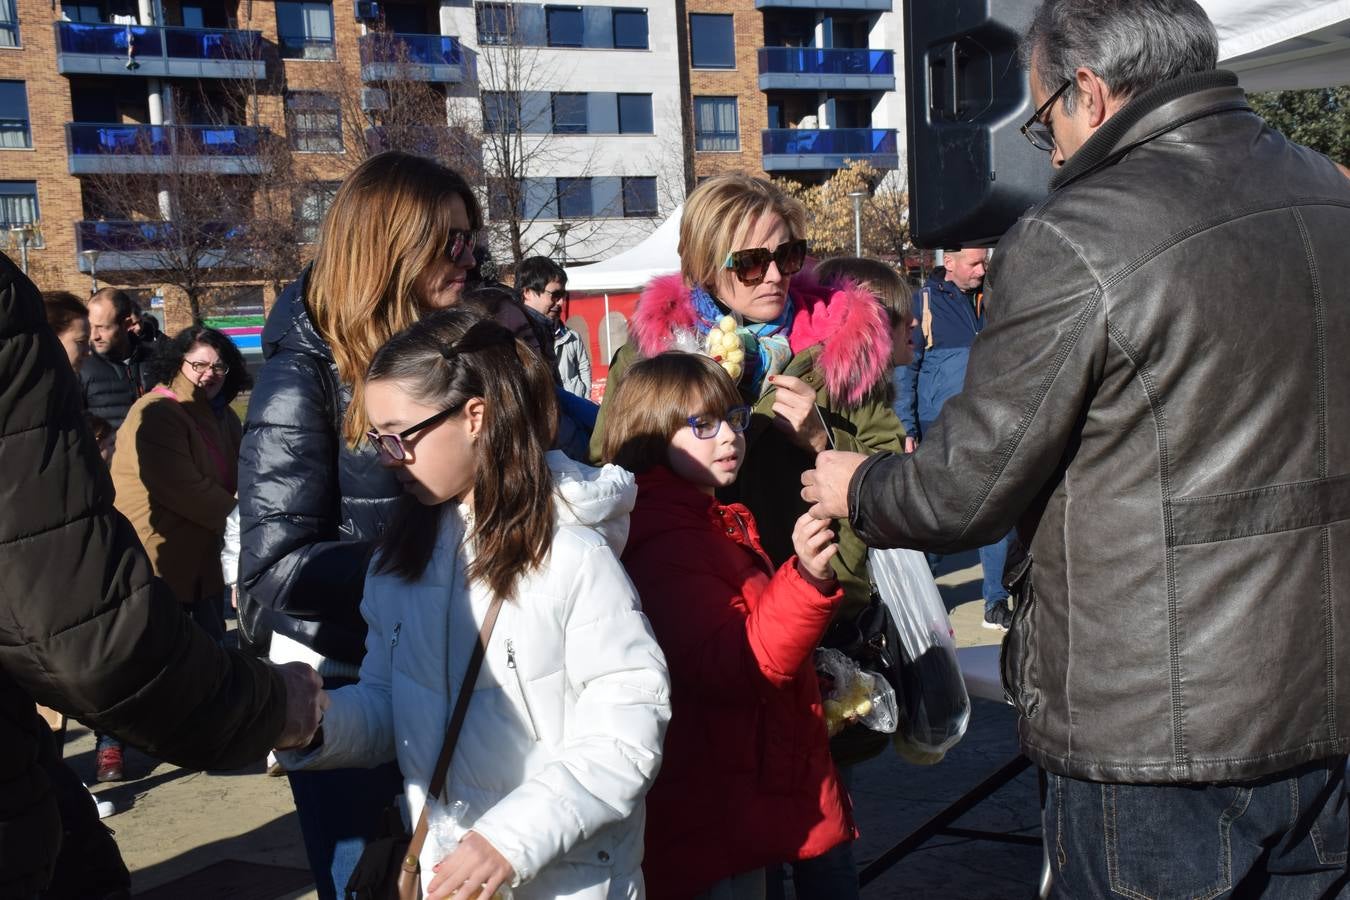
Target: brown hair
[(875, 277), (63, 309), (446, 359), (717, 211), (389, 221), (654, 400)]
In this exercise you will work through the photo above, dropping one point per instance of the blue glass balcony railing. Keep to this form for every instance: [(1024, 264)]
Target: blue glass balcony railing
[(817, 61), (859, 142), (162, 140), (120, 236), (148, 42), (414, 49)]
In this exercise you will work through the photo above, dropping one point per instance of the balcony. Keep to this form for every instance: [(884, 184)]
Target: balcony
[(828, 5), (156, 149), (411, 57), (126, 246), (801, 149), (150, 52), (451, 145), (816, 69)]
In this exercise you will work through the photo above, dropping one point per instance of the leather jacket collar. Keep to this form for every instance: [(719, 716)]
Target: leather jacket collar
[(1154, 112)]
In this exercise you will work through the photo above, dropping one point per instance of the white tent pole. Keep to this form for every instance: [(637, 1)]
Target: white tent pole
[(609, 340)]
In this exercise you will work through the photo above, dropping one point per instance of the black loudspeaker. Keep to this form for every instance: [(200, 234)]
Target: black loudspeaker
[(971, 171)]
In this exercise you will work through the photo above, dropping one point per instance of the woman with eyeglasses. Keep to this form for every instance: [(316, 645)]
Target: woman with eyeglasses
[(397, 242), (177, 465), (811, 362)]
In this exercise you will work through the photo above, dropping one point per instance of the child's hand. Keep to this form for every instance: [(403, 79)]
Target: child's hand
[(815, 545)]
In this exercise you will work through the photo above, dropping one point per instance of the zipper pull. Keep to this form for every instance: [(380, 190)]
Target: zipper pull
[(398, 626), (510, 654)]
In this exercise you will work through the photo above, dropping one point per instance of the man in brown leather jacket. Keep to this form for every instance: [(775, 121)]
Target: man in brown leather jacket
[(1160, 402)]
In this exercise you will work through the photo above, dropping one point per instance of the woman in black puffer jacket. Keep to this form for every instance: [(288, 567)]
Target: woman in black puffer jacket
[(397, 240)]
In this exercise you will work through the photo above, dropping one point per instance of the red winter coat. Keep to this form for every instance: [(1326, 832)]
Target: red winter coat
[(746, 776)]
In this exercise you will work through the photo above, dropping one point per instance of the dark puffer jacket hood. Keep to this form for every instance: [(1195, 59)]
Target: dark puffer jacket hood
[(310, 507)]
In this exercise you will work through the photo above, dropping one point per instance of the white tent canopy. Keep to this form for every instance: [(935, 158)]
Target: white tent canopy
[(1282, 45), (634, 267)]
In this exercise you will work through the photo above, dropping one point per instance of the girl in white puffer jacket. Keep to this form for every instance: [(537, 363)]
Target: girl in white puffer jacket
[(564, 729)]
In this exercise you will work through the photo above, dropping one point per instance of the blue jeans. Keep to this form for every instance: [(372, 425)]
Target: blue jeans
[(993, 558), (340, 810), (831, 876), (1283, 837)]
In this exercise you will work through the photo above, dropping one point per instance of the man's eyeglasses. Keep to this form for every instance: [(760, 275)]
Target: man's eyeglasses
[(199, 367), (557, 296), (392, 446), (459, 242), (706, 427), (1036, 130), (752, 265)]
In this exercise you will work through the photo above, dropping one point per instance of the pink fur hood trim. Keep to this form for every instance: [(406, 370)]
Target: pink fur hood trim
[(847, 322)]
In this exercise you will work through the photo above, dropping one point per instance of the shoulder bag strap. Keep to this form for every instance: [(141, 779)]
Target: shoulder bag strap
[(419, 836)]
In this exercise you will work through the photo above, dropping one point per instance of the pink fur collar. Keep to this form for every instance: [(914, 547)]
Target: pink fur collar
[(847, 322)]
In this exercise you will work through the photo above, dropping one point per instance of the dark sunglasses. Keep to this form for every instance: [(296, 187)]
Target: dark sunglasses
[(706, 427), (752, 265), (558, 296), (392, 446), (1036, 130), (460, 242)]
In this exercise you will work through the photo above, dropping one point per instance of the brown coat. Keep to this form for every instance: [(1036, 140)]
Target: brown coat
[(171, 489)]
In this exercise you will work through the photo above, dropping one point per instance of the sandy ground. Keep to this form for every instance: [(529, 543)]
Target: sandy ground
[(171, 822)]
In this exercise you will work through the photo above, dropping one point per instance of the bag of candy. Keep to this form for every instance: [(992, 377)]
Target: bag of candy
[(853, 695)]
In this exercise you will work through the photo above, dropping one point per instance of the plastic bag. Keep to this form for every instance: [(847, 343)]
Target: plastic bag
[(446, 827), (935, 708), (853, 695)]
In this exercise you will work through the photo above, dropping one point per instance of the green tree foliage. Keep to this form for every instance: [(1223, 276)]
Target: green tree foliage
[(1318, 118)]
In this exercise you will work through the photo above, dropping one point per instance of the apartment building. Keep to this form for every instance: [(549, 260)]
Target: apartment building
[(168, 91), (793, 87)]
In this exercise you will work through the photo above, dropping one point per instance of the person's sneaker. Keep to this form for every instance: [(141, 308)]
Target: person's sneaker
[(108, 764), (998, 617)]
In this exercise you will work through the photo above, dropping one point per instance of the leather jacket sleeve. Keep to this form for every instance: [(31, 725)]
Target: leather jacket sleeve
[(1031, 377)]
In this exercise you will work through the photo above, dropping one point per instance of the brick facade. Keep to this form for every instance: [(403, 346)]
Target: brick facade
[(742, 82)]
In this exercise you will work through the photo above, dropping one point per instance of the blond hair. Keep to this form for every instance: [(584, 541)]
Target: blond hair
[(655, 399), (875, 277), (720, 209), (389, 222)]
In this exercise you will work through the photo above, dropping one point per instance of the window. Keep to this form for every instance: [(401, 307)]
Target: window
[(9, 24), (635, 114), (14, 132), (639, 197), (496, 23), (569, 114), (311, 206), (715, 126), (574, 198), (503, 194), (78, 12), (630, 29), (501, 112), (18, 203), (193, 17), (305, 29), (712, 44), (565, 26), (314, 122)]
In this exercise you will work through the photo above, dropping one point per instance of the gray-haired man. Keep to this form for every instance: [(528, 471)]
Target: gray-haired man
[(1160, 400)]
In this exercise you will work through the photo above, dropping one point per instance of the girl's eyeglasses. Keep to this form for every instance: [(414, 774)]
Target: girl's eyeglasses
[(199, 367), (706, 427), (392, 446), (752, 265)]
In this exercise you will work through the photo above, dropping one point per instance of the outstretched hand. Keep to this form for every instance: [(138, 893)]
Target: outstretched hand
[(306, 701), (815, 545), (826, 486)]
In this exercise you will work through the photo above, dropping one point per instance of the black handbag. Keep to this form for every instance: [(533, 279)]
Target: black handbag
[(870, 640)]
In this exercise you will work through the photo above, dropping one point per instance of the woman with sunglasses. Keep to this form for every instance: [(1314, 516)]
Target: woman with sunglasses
[(746, 780), (396, 242), (176, 468)]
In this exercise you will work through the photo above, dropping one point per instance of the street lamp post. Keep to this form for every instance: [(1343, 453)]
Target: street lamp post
[(857, 197), (562, 228), (91, 256)]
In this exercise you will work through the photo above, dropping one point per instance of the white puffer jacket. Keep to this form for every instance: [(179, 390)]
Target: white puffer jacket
[(563, 734)]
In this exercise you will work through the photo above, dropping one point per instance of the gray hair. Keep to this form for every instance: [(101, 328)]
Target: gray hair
[(1131, 45)]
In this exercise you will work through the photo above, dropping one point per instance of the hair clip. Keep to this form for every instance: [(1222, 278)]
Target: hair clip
[(449, 353)]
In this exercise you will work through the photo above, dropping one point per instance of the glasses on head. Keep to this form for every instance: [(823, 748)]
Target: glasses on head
[(1036, 130), (199, 367), (706, 427), (459, 243), (752, 265), (392, 446)]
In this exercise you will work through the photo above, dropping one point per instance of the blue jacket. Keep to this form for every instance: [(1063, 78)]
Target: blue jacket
[(951, 319)]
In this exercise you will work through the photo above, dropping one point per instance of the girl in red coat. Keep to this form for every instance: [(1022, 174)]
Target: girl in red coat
[(746, 780)]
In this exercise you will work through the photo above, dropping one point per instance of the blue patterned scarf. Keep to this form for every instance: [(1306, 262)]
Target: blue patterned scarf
[(767, 350)]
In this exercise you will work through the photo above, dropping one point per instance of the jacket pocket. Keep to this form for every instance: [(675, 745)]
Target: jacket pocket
[(1019, 654), (520, 689)]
